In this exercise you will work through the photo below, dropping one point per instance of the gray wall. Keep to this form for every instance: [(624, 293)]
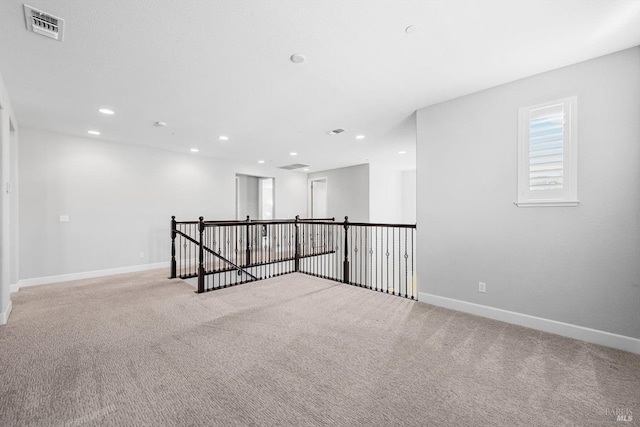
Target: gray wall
[(577, 265), (347, 192), (120, 199)]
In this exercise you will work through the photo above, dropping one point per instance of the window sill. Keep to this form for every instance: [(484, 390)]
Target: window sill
[(547, 203)]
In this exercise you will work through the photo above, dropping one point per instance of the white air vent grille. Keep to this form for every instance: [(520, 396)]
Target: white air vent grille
[(294, 166), (336, 131), (43, 23)]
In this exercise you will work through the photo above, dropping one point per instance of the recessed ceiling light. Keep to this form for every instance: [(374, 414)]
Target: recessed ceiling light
[(360, 137), (410, 29), (160, 124), (261, 161), (297, 58), (107, 111), (293, 154), (194, 150), (93, 132), (402, 152), (306, 169), (223, 138)]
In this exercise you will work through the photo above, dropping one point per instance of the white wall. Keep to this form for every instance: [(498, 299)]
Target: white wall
[(409, 197), (120, 199), (576, 265), (347, 192)]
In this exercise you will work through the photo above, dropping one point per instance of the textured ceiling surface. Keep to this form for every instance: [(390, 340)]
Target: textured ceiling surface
[(222, 67)]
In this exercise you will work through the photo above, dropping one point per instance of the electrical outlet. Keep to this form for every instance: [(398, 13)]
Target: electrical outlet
[(64, 218), (482, 287), (141, 254)]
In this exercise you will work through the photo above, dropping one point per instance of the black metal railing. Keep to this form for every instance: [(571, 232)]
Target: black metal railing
[(379, 257)]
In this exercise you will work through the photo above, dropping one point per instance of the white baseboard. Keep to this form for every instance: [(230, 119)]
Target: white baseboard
[(36, 281), (594, 336), (4, 316), (14, 287)]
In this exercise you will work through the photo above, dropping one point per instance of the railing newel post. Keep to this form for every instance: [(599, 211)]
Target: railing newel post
[(201, 256), (173, 247), (345, 269)]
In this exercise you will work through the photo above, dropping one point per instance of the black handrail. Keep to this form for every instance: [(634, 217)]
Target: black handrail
[(359, 224), (262, 221)]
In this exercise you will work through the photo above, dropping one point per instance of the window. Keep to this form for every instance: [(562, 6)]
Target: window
[(547, 154)]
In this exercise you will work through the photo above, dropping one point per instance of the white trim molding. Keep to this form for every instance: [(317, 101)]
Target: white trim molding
[(4, 316), (594, 336), (45, 280), (567, 203), (14, 287)]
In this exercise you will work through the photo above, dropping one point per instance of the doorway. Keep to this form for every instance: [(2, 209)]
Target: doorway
[(318, 198), (255, 197)]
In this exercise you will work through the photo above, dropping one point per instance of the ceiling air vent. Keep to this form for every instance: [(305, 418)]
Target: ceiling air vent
[(336, 131), (43, 23), (294, 166)]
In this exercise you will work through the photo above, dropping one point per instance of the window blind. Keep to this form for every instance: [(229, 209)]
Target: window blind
[(546, 148)]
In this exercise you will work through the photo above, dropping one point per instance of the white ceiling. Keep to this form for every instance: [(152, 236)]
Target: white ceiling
[(209, 68)]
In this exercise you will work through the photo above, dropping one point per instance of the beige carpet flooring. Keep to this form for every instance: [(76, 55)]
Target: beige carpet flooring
[(139, 349)]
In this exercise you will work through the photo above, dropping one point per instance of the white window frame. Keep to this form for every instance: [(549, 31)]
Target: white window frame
[(568, 195)]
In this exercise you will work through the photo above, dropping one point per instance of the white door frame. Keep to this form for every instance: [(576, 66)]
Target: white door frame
[(310, 193)]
